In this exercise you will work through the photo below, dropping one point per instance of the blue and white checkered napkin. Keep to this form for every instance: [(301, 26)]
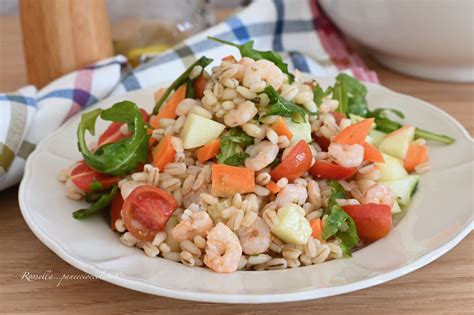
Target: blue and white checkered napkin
[(296, 28)]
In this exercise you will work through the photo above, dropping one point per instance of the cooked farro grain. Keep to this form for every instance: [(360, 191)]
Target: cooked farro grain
[(187, 258), (276, 263), (263, 178), (261, 191), (282, 182), (173, 256), (120, 226), (249, 218), (164, 248), (128, 239), (258, 259), (200, 241), (159, 238), (235, 220), (190, 247), (270, 217), (150, 249)]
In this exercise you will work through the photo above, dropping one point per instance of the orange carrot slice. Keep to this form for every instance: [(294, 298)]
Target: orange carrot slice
[(356, 133), (163, 153), (417, 154), (169, 109), (208, 151), (228, 180), (281, 128), (372, 154), (273, 187), (317, 226)]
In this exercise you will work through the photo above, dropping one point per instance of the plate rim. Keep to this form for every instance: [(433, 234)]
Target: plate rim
[(138, 285)]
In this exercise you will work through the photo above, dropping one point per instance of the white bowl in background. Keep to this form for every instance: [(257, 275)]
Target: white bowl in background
[(428, 39)]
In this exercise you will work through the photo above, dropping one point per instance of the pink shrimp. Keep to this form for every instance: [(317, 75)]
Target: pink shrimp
[(223, 249)]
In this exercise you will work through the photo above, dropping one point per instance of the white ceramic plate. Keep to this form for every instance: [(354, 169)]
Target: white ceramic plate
[(439, 217)]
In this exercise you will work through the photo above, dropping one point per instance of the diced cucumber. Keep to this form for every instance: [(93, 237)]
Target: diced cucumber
[(396, 208), (375, 137), (198, 131), (396, 143), (300, 131), (403, 188), (392, 169), (293, 227)]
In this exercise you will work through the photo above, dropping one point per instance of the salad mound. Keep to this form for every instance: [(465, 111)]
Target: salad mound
[(249, 167)]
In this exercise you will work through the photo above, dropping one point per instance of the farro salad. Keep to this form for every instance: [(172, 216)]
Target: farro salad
[(249, 167)]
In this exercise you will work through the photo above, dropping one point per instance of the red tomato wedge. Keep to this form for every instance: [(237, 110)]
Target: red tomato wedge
[(356, 133), (82, 175), (116, 209), (113, 133), (326, 170), (323, 142), (146, 210), (295, 164), (373, 221), (199, 86)]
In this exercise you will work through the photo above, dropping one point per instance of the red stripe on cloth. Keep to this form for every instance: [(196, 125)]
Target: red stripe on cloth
[(83, 81), (336, 48)]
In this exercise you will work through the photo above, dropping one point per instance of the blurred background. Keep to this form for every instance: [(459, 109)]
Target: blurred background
[(138, 29)]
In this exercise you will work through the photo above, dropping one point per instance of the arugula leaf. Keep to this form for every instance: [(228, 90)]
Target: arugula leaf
[(318, 94), (338, 222), (279, 106), (183, 78), (351, 95), (121, 157), (190, 93), (383, 112), (104, 201), (232, 147), (338, 192), (247, 50)]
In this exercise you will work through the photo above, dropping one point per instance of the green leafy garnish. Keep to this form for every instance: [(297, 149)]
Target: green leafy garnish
[(232, 147), (182, 79), (339, 223), (338, 192), (121, 157), (351, 95), (95, 186), (279, 106), (103, 202), (319, 94), (387, 125), (247, 50)]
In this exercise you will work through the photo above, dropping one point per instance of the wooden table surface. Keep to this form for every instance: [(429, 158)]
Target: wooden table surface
[(444, 286)]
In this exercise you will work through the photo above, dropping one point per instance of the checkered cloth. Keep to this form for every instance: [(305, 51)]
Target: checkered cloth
[(295, 28)]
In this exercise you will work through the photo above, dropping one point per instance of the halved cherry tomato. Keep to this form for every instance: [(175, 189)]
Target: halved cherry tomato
[(146, 210), (116, 209), (323, 142), (326, 170), (295, 164), (113, 133), (82, 175), (373, 221)]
